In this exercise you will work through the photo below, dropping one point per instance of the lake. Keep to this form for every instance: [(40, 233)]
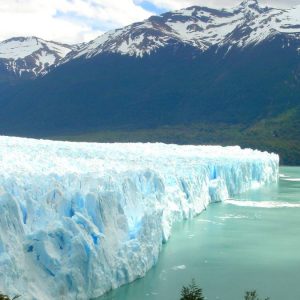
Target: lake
[(250, 242)]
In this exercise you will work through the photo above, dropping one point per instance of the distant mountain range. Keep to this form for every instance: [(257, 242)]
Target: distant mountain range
[(197, 75)]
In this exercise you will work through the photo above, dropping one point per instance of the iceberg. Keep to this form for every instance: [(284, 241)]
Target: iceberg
[(79, 219)]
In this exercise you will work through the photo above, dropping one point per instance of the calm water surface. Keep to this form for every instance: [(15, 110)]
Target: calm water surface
[(252, 243)]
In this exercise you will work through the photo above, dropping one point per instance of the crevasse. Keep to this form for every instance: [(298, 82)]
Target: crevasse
[(79, 219)]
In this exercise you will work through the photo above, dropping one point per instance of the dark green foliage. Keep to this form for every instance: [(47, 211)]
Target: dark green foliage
[(170, 87), (191, 292), (260, 135), (252, 295), (4, 297)]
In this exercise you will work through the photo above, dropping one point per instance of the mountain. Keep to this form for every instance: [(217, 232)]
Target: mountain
[(199, 27), (29, 57), (197, 75)]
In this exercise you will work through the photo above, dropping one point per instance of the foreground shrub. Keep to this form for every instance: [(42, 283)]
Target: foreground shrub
[(191, 292), (4, 297), (194, 292), (252, 295)]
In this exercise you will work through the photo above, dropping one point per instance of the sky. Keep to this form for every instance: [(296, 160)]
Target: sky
[(75, 21)]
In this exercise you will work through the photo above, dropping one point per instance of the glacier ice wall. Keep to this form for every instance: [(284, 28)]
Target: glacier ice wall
[(78, 219)]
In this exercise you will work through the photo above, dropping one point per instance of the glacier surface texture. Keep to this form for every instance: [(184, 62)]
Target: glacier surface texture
[(79, 219)]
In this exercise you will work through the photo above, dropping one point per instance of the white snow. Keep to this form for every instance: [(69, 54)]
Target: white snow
[(22, 47), (46, 59), (241, 26), (78, 219), (31, 55), (15, 49), (289, 22)]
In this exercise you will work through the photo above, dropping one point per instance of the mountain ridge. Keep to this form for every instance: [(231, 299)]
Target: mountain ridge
[(201, 27)]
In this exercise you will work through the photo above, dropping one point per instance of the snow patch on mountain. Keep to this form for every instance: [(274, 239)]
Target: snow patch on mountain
[(78, 219), (199, 27), (31, 56), (290, 21), (21, 47), (203, 28)]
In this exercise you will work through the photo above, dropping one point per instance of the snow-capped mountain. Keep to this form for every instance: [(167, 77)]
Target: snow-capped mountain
[(29, 57), (199, 27)]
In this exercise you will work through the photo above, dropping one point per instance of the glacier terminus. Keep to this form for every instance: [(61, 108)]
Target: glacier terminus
[(79, 219)]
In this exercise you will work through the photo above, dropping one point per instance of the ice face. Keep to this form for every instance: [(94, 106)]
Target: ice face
[(78, 219)]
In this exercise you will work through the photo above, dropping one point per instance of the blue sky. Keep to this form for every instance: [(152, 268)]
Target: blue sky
[(74, 21), (152, 7)]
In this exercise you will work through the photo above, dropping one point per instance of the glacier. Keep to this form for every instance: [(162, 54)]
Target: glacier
[(79, 219)]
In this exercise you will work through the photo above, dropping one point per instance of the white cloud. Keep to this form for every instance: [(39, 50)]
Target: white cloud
[(72, 21), (67, 21)]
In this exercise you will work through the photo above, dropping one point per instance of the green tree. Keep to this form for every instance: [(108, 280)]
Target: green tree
[(191, 292), (4, 297), (252, 295)]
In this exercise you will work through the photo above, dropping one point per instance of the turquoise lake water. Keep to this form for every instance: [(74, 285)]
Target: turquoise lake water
[(252, 242)]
